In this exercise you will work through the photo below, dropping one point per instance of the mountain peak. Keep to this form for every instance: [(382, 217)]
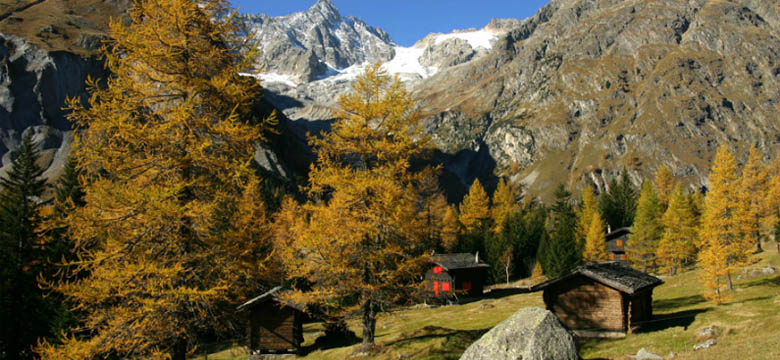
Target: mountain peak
[(326, 8)]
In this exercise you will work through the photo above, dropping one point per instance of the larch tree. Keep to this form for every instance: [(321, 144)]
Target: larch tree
[(432, 208), (596, 242), (475, 208), (450, 229), (678, 243), (754, 211), (588, 206), (721, 245), (774, 195), (646, 231), (24, 312), (171, 233), (664, 185), (504, 205), (355, 243)]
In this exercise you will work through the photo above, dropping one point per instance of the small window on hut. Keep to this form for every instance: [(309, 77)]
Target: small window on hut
[(619, 243), (437, 269), (612, 256), (466, 285), (445, 286)]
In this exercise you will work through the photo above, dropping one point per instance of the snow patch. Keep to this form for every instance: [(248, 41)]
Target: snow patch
[(407, 62), (477, 39)]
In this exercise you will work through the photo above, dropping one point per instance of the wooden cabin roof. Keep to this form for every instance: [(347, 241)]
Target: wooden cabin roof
[(270, 294), (459, 261), (617, 276), (618, 233)]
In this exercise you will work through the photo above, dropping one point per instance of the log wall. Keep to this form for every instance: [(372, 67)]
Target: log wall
[(582, 303), (274, 329)]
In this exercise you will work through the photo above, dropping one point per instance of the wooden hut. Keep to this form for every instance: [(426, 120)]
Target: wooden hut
[(451, 274), (616, 244), (274, 326), (606, 299)]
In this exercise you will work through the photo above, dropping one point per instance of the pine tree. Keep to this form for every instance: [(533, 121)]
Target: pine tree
[(678, 244), (450, 229), (754, 211), (719, 233), (169, 222), (561, 253), (475, 208), (618, 205), (588, 207), (664, 185), (596, 242), (646, 231), (24, 313), (504, 205), (355, 242)]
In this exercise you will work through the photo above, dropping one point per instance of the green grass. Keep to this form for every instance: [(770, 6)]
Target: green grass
[(749, 320)]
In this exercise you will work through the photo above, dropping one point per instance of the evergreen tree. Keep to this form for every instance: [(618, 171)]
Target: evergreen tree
[(618, 205), (534, 218), (646, 231), (561, 253), (24, 313), (355, 243), (596, 242), (754, 210), (172, 224), (721, 246), (678, 243), (664, 185)]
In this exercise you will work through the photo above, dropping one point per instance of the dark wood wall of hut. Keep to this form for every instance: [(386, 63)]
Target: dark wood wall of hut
[(275, 329), (641, 305), (472, 281), (583, 303)]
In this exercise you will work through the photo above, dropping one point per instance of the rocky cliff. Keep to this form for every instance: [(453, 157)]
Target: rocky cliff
[(586, 88)]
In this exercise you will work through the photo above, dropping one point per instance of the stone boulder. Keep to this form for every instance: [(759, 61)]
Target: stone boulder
[(530, 334)]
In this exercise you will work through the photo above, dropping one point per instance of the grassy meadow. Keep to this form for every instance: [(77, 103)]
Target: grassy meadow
[(749, 323)]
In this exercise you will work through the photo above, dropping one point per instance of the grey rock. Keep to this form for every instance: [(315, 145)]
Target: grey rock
[(769, 270), (529, 334), (707, 332), (448, 53), (643, 354), (705, 345)]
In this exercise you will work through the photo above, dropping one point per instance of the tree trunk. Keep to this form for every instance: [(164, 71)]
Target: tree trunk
[(507, 274), (730, 284), (180, 349), (369, 323), (758, 243)]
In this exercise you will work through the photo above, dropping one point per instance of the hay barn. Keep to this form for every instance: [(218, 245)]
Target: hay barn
[(451, 274), (274, 326), (601, 300)]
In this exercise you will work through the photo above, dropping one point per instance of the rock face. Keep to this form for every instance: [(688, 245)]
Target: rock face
[(529, 334), (315, 41), (34, 84)]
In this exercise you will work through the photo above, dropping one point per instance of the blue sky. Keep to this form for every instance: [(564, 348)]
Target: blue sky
[(409, 20)]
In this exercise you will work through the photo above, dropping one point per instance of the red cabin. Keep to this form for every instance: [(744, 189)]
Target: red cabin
[(451, 275)]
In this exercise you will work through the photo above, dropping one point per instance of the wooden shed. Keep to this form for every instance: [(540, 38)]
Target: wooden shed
[(451, 274), (605, 299), (616, 244), (274, 326)]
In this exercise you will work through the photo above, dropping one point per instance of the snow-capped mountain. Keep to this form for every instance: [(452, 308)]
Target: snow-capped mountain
[(309, 58)]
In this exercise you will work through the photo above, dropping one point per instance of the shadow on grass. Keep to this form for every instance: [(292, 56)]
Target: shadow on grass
[(665, 321), (454, 342), (767, 281), (676, 303), (332, 341)]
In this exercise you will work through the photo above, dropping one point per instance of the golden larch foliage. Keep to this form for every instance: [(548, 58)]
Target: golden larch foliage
[(475, 208), (721, 246), (589, 206), (173, 225), (504, 205), (664, 185), (678, 244), (596, 242), (450, 229), (754, 209), (356, 241), (646, 231)]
